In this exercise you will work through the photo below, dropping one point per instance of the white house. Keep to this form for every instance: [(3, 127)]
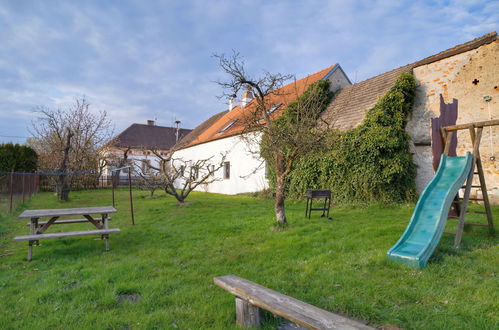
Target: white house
[(243, 169)]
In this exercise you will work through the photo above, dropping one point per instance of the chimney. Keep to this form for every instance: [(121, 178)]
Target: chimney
[(150, 122), (177, 123), (247, 97), (232, 99)]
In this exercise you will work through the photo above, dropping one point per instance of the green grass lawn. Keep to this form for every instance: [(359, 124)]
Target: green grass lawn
[(169, 259)]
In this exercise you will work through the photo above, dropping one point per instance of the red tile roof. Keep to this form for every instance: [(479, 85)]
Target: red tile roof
[(283, 96)]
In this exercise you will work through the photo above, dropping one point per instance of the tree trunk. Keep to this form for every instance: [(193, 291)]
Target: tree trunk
[(62, 187), (280, 213)]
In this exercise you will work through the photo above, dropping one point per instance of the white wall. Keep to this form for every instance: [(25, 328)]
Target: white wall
[(247, 169), (247, 172)]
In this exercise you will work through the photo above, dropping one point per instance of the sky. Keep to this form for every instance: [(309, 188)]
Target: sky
[(140, 60)]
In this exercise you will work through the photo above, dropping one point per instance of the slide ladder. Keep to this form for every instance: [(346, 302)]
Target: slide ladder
[(461, 204)]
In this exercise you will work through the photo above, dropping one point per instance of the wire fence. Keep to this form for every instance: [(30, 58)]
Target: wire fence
[(17, 188)]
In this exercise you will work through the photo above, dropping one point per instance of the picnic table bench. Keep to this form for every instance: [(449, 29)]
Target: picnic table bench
[(250, 297), (37, 229)]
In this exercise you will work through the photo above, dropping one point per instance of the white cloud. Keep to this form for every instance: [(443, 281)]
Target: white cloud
[(141, 60)]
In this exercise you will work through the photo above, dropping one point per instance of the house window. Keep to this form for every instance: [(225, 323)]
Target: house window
[(270, 111), (274, 108), (227, 170), (226, 127)]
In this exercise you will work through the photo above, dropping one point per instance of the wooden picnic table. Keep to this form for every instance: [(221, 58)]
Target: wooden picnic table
[(37, 229)]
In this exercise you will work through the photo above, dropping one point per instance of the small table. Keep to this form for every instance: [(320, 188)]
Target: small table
[(37, 229), (316, 193)]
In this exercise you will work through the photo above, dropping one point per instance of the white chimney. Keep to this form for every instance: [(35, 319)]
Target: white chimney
[(247, 97), (232, 99)]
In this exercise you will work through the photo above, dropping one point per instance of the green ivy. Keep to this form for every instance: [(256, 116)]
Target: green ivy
[(302, 112), (369, 163)]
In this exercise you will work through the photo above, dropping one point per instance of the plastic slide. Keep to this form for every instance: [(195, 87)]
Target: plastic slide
[(427, 224)]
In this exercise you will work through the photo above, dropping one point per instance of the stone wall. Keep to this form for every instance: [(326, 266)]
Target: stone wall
[(467, 77)]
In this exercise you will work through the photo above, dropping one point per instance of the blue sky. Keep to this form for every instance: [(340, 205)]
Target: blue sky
[(142, 60)]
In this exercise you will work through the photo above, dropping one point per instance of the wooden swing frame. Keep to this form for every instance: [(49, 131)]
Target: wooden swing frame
[(475, 130)]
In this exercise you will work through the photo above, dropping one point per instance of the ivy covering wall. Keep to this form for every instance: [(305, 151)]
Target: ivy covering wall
[(371, 163)]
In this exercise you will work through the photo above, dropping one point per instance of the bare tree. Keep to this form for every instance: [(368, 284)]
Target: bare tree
[(178, 177), (68, 140), (283, 135), (151, 181)]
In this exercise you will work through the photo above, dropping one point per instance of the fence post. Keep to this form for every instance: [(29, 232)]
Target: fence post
[(130, 190), (11, 183), (31, 184), (24, 175), (113, 181)]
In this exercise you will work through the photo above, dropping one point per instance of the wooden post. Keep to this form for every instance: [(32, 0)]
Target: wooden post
[(485, 194), (475, 140), (32, 228), (464, 207), (448, 142), (130, 190), (247, 315), (112, 185), (24, 175), (11, 186)]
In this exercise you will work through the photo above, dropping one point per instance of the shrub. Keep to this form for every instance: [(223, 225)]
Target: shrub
[(18, 158)]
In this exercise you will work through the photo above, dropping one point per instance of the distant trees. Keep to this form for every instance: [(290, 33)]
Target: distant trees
[(68, 140), (18, 158)]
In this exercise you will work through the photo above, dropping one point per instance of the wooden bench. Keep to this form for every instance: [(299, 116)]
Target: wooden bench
[(65, 222), (250, 297), (33, 238)]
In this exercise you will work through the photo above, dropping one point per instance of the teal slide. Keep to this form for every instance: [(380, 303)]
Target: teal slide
[(427, 224)]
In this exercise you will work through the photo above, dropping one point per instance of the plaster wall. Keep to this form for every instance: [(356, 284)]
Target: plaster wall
[(338, 79), (247, 170), (246, 166), (468, 77)]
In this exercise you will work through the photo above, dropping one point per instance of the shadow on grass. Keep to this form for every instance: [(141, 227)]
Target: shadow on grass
[(65, 250), (471, 241)]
